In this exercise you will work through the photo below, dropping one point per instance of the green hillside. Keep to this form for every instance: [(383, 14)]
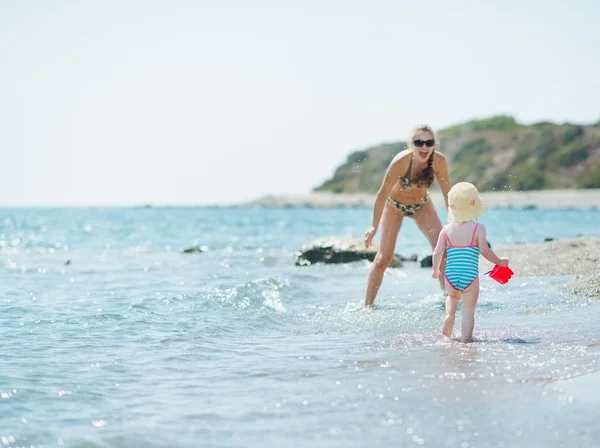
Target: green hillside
[(495, 154)]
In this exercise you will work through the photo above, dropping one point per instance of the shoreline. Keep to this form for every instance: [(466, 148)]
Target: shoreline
[(543, 199)]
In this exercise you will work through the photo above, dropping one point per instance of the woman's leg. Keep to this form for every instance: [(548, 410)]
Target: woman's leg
[(470, 296), (391, 220), (429, 224)]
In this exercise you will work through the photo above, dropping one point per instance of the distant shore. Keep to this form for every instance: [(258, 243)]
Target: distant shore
[(545, 199), (578, 257)]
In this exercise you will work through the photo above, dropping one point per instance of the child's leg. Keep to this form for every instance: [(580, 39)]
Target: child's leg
[(470, 296), (452, 300)]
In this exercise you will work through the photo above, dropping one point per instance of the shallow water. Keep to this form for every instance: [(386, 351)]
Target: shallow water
[(135, 344)]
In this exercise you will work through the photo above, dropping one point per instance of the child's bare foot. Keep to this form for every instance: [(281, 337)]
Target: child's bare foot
[(448, 326)]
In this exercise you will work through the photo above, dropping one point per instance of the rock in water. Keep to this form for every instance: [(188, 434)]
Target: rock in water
[(427, 262), (193, 250), (338, 250)]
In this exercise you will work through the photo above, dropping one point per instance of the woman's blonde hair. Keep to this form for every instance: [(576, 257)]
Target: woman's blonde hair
[(425, 177)]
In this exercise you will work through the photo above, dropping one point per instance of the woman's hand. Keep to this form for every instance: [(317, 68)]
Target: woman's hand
[(369, 234)]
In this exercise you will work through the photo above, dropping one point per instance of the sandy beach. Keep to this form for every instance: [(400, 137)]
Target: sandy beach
[(575, 199), (577, 257)]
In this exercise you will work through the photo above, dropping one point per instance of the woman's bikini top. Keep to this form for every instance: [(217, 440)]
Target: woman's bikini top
[(406, 180)]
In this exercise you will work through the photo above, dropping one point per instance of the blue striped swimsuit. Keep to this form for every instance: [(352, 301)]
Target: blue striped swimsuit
[(462, 266)]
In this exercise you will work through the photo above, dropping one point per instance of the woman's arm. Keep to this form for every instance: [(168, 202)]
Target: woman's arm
[(389, 180), (441, 174)]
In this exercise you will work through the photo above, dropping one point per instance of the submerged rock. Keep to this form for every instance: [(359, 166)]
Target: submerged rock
[(427, 262), (340, 250), (194, 249)]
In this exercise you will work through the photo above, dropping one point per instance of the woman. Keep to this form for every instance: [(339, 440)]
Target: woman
[(404, 192)]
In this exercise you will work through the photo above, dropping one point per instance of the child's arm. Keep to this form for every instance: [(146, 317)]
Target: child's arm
[(438, 254), (486, 251)]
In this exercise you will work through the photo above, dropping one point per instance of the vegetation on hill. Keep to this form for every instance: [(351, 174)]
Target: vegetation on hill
[(496, 153)]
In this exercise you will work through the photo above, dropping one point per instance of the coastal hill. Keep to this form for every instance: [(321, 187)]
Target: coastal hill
[(496, 153)]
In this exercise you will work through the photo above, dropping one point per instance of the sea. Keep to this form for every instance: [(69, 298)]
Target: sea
[(112, 336)]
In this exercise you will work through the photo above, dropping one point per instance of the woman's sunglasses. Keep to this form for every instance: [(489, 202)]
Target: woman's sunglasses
[(418, 143)]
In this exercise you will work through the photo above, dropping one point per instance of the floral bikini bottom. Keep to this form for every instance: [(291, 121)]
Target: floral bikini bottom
[(410, 209)]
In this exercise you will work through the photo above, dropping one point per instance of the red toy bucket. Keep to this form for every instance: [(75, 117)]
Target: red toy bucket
[(502, 274)]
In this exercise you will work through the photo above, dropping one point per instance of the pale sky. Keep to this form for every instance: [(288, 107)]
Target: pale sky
[(120, 102)]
